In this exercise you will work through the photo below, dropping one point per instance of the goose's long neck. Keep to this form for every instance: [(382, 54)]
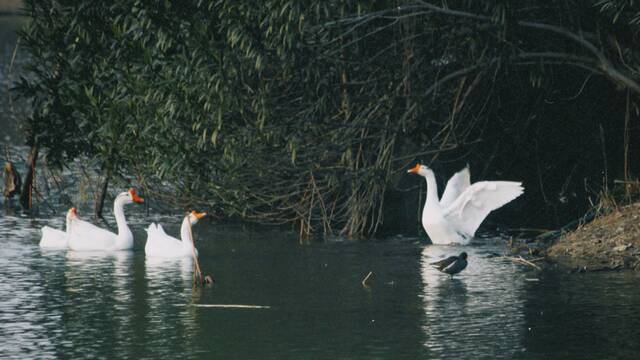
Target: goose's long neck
[(69, 228), (68, 224), (118, 212), (185, 233), (432, 189)]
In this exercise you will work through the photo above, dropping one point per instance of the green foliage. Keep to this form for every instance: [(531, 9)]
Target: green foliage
[(297, 112)]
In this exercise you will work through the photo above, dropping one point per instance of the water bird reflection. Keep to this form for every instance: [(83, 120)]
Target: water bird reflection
[(474, 309), (168, 271), (168, 292)]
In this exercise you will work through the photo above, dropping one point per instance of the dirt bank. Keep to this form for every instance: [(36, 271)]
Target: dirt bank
[(610, 242)]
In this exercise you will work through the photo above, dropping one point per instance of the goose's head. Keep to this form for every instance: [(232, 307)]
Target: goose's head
[(72, 214), (463, 255), (194, 216), (130, 196), (419, 169)]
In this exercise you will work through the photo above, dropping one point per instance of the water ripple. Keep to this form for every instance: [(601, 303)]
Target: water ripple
[(66, 304)]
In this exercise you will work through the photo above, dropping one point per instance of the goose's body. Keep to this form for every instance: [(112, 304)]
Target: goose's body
[(455, 218), (57, 239), (161, 245), (86, 236), (53, 238)]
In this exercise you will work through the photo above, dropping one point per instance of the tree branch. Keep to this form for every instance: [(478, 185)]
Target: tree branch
[(604, 64)]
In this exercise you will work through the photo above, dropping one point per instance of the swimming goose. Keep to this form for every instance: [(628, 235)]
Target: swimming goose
[(159, 244), (89, 237), (455, 218), (54, 238)]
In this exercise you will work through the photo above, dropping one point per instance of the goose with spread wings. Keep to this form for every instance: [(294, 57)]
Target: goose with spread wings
[(455, 217)]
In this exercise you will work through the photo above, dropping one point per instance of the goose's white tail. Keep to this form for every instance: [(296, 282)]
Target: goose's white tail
[(53, 238)]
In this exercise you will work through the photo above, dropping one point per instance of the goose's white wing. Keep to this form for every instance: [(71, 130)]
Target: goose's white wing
[(468, 211), (159, 243), (458, 183), (87, 236), (157, 233)]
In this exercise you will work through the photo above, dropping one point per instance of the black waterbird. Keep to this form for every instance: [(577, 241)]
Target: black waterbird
[(452, 265)]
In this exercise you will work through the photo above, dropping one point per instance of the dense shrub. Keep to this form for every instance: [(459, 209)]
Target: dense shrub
[(308, 113)]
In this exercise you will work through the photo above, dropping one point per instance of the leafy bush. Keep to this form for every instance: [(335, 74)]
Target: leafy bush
[(308, 113)]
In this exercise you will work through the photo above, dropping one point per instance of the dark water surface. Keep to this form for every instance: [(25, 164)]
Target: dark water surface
[(63, 304)]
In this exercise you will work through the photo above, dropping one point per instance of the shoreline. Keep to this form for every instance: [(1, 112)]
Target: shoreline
[(611, 242)]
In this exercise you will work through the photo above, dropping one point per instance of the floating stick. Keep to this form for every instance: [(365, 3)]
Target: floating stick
[(364, 281), (227, 306), (522, 260), (197, 273)]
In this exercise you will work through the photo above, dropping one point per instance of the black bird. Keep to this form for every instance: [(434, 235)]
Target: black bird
[(452, 265)]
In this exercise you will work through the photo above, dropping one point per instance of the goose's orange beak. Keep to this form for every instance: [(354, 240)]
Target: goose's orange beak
[(415, 169), (74, 211), (198, 215), (135, 196)]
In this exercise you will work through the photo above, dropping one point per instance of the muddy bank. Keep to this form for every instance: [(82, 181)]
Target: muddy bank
[(609, 242)]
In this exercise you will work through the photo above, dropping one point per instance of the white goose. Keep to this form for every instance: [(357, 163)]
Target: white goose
[(455, 218), (89, 237), (57, 239), (159, 244)]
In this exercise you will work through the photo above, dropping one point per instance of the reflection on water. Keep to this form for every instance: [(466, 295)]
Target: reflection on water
[(173, 272), (64, 304), (168, 317), (479, 311), (87, 278)]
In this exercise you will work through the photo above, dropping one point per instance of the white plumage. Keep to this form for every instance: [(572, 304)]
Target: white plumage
[(458, 183), (455, 218), (57, 239), (85, 236), (160, 244)]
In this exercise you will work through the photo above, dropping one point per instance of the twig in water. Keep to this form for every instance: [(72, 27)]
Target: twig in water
[(364, 281), (520, 259), (229, 306), (197, 273)]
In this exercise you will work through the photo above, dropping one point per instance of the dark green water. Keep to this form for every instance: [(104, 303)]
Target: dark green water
[(59, 304)]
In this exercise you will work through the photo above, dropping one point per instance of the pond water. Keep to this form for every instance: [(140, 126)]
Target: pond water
[(64, 304)]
